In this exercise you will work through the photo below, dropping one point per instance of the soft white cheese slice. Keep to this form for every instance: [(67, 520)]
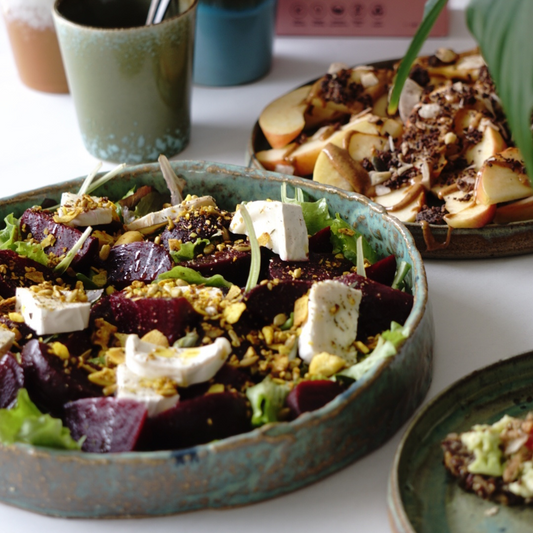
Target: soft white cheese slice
[(48, 315), (91, 217), (278, 226), (186, 366), (131, 386), (172, 212), (7, 338), (332, 316)]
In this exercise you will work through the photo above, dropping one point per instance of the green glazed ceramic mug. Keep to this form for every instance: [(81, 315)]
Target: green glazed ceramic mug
[(131, 83)]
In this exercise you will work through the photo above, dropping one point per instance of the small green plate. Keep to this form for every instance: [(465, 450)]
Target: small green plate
[(423, 497)]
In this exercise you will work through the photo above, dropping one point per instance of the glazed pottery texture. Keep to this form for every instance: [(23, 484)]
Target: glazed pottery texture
[(131, 84), (423, 497), (234, 40), (266, 462)]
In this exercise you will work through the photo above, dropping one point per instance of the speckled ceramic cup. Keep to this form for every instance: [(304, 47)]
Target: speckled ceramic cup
[(131, 83)]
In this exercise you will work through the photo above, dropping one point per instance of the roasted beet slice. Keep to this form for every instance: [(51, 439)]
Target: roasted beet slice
[(267, 300), (233, 265), (228, 375), (18, 271), (11, 380), (41, 224), (109, 424), (318, 268), (171, 316), (312, 395), (320, 242), (136, 261), (200, 224), (383, 271), (197, 421), (50, 384), (380, 305)]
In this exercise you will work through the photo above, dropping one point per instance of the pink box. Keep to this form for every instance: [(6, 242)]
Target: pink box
[(391, 18)]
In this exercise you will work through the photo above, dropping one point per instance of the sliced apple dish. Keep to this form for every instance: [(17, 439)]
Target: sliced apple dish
[(446, 157)]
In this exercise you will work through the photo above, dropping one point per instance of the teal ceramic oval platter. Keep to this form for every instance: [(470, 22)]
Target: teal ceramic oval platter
[(264, 463), (423, 497)]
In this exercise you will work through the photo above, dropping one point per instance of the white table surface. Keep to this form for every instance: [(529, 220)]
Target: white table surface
[(481, 308)]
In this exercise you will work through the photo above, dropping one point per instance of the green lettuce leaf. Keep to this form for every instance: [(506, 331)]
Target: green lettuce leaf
[(316, 214), (194, 278), (25, 423), (189, 250), (344, 240), (31, 251), (388, 345), (267, 398), (10, 240), (10, 234), (503, 32)]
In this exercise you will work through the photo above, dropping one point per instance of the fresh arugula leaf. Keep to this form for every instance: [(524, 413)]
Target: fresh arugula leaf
[(189, 250), (503, 32), (344, 240), (25, 423), (432, 10), (194, 278)]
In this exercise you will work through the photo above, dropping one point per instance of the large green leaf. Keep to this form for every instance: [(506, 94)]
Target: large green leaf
[(503, 30), (432, 10)]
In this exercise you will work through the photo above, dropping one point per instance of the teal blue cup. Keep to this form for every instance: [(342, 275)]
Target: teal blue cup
[(234, 40)]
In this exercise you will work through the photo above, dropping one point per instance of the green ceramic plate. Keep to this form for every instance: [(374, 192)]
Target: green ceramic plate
[(477, 243), (261, 464), (423, 498)]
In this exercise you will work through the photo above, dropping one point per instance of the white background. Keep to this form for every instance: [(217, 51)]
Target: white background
[(482, 309)]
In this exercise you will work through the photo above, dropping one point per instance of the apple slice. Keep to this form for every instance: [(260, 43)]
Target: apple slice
[(362, 145), (335, 167), (515, 211), (283, 119), (275, 157), (304, 158), (474, 216), (404, 203), (458, 201), (491, 143), (502, 178)]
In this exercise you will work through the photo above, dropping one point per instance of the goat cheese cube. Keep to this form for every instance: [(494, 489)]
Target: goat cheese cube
[(332, 316), (92, 213), (172, 212), (147, 392), (49, 314), (278, 226), (186, 366)]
